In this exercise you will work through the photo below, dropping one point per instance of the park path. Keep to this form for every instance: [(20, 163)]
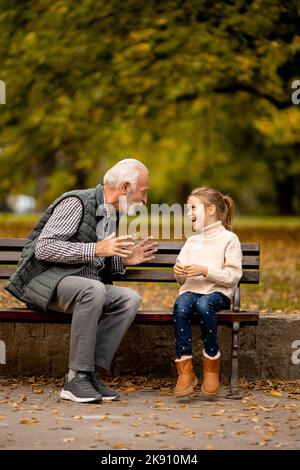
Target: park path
[(33, 417)]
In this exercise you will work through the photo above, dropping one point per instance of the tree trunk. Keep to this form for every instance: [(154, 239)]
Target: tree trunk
[(183, 191), (43, 169), (285, 193)]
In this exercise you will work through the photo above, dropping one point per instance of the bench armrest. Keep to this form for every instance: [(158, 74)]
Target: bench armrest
[(236, 300)]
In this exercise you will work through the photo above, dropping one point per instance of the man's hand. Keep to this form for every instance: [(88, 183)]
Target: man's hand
[(115, 246), (195, 270), (141, 253)]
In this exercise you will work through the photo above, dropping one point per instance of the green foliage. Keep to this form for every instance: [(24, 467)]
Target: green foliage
[(198, 90)]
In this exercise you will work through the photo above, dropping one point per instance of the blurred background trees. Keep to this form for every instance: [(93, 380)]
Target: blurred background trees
[(199, 90)]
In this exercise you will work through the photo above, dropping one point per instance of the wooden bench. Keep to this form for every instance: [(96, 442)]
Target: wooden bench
[(159, 270)]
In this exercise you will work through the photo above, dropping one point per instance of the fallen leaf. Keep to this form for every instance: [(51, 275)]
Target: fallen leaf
[(274, 393), (169, 426), (165, 391), (219, 413), (262, 443), (252, 406), (68, 439), (29, 421), (242, 431), (120, 446), (255, 420), (189, 432)]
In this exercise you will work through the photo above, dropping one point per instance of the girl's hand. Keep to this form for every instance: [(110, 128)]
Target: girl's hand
[(179, 269), (195, 270)]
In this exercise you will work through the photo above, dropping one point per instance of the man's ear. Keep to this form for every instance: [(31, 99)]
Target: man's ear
[(125, 186)]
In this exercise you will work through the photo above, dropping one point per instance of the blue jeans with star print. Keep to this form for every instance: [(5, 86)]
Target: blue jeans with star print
[(205, 307)]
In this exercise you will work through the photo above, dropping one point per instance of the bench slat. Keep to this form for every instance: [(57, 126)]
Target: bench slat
[(166, 260), (143, 317), (164, 247), (167, 275), (174, 247), (150, 275), (161, 260), (11, 243), (5, 273), (9, 257)]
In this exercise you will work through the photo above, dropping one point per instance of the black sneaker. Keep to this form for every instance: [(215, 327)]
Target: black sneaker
[(100, 387), (79, 389)]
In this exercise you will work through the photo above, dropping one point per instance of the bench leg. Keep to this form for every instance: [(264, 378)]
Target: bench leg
[(234, 388)]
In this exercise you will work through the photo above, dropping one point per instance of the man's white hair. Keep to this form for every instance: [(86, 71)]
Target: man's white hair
[(125, 170)]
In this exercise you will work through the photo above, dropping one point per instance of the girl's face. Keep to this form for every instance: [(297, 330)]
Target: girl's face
[(200, 214)]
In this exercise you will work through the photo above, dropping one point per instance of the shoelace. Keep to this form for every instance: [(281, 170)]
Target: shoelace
[(84, 384), (95, 379)]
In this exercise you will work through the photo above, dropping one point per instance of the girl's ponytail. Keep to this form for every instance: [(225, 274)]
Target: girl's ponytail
[(227, 216)]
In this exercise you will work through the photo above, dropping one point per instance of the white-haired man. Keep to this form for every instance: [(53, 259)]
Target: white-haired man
[(67, 266)]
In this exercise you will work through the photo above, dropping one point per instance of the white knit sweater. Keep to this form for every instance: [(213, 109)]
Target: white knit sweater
[(219, 250)]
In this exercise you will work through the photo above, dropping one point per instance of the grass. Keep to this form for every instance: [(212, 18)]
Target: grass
[(288, 222), (279, 287)]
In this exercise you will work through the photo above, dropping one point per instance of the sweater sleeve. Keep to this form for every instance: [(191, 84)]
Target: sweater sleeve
[(180, 279), (231, 272)]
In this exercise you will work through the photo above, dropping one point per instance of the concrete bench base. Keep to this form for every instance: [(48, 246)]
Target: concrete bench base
[(270, 349)]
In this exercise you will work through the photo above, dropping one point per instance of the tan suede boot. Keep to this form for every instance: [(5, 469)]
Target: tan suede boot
[(187, 379), (211, 371)]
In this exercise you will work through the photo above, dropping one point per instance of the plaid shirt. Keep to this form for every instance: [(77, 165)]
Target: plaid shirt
[(53, 246)]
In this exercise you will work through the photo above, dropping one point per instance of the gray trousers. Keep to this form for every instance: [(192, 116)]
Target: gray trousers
[(102, 314)]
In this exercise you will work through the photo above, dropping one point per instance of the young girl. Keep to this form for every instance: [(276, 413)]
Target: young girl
[(208, 267)]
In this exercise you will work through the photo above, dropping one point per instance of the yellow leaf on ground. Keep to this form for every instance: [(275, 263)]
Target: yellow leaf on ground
[(218, 413), (29, 421), (120, 446), (189, 432), (274, 393), (130, 389), (165, 391), (255, 420), (68, 439), (262, 443)]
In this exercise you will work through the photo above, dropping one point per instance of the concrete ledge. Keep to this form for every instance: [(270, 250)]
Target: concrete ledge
[(265, 350)]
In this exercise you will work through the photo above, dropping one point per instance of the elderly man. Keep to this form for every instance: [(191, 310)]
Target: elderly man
[(67, 266)]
